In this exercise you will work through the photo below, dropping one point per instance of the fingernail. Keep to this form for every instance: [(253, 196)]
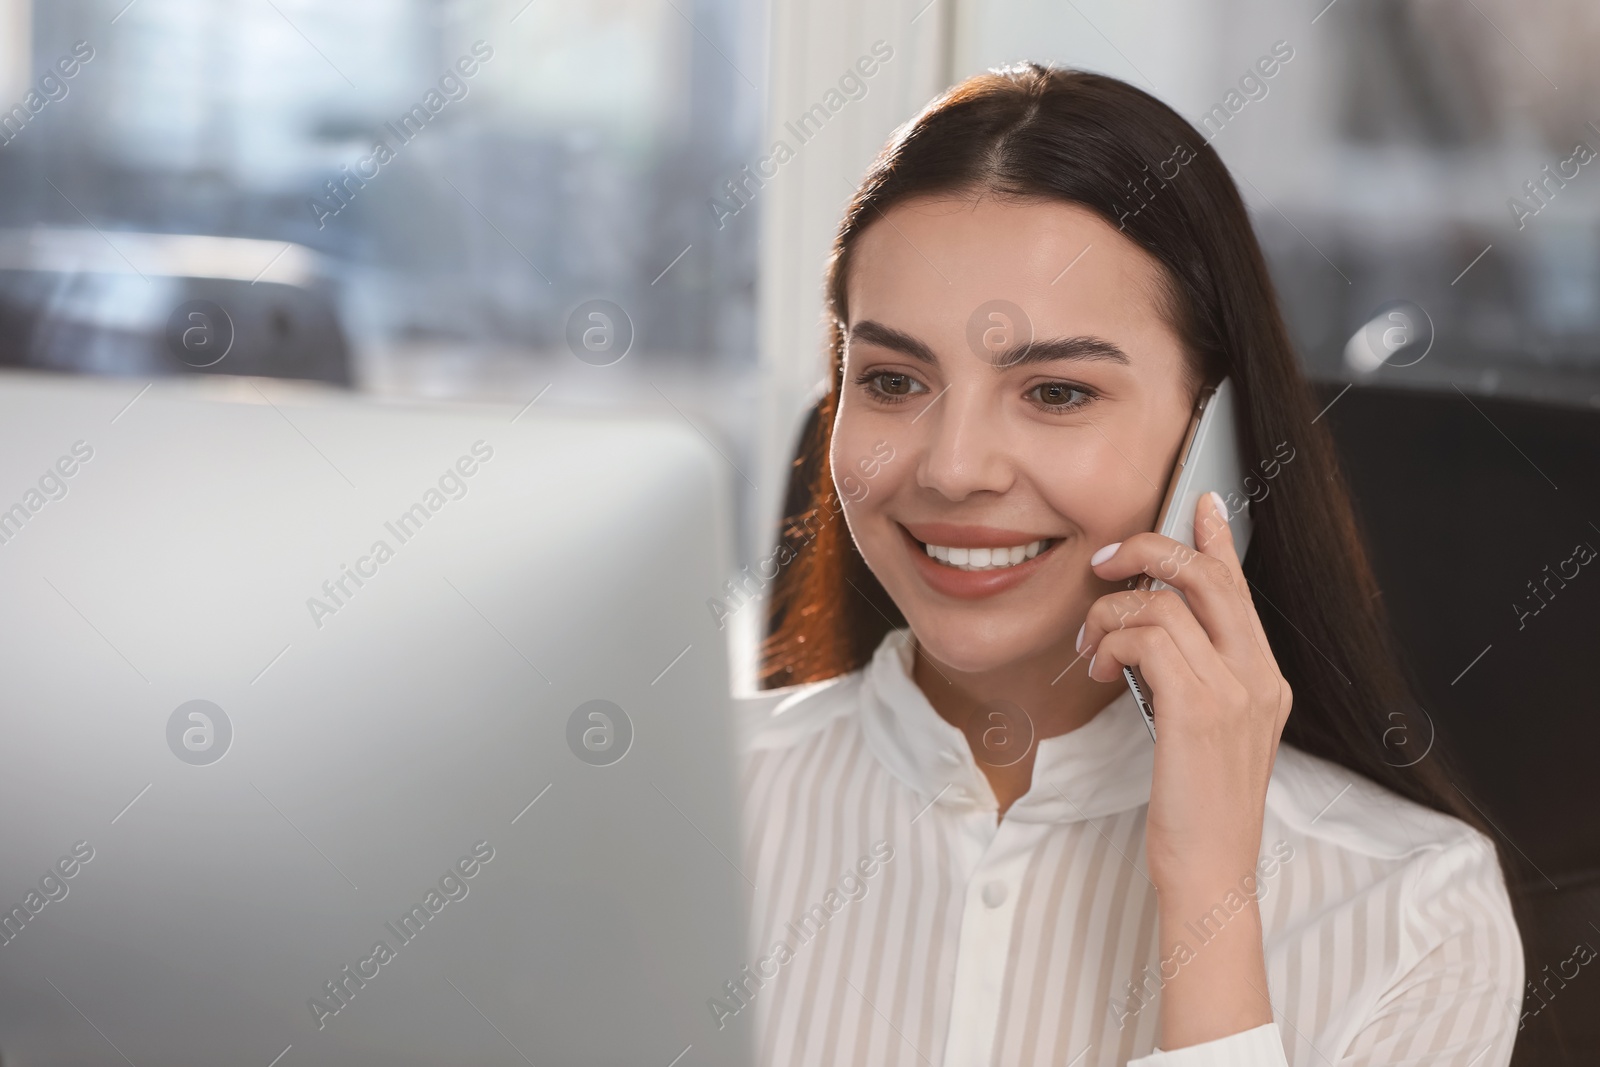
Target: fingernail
[(1104, 554), (1216, 498), (1078, 645), (1091, 664)]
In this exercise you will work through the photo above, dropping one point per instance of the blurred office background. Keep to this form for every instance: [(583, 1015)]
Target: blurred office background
[(187, 160), (589, 159)]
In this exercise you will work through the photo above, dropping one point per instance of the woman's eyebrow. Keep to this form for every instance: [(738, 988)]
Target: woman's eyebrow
[(876, 333), (1040, 351), (1052, 348)]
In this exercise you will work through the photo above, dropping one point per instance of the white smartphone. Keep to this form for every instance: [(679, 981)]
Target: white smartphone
[(1208, 460)]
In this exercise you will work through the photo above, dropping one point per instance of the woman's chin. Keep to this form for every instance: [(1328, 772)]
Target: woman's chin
[(979, 649)]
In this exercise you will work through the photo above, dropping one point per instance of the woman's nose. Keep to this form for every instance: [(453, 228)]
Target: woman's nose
[(963, 447)]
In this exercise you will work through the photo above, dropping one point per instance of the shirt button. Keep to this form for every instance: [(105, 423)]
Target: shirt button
[(994, 894)]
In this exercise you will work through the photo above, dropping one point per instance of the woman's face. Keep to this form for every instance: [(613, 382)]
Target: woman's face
[(1044, 451)]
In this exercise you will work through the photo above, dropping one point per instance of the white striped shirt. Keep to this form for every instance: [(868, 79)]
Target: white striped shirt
[(896, 922)]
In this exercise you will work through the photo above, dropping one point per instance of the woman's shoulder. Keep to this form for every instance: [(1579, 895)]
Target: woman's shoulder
[(1411, 890), (786, 717), (1439, 876), (1342, 809)]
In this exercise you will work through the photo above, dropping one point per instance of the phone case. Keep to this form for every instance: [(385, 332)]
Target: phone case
[(1209, 460)]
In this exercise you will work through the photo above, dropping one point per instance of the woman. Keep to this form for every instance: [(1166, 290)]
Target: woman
[(967, 849)]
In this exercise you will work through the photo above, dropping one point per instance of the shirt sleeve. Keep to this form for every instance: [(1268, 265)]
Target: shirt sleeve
[(1260, 1047), (1458, 995)]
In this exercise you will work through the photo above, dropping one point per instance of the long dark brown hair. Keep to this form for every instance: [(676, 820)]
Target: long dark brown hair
[(1039, 133)]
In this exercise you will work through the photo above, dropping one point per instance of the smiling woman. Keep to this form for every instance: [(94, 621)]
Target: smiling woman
[(980, 602)]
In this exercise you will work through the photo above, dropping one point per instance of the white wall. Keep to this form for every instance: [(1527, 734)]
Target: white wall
[(16, 46)]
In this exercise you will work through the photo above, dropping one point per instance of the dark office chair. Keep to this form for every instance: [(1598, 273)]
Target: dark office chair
[(1472, 510), (1464, 503), (163, 304)]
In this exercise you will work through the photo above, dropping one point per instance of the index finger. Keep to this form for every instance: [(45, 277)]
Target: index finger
[(1211, 580), (1214, 536)]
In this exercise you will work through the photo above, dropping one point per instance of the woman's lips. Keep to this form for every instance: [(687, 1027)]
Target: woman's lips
[(943, 533), (970, 585)]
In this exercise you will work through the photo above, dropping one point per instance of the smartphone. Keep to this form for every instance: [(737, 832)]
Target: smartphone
[(1208, 460)]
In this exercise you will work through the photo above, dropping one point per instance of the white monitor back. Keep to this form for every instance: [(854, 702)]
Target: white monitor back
[(362, 741)]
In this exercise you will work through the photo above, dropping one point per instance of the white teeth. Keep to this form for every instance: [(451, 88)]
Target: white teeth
[(986, 559)]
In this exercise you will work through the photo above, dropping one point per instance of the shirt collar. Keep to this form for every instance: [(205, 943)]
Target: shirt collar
[(1101, 768)]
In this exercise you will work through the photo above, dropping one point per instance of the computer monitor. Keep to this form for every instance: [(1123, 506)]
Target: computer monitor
[(347, 732)]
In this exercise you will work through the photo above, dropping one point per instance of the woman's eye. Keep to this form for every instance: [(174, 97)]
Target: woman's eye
[(1059, 395), (889, 385)]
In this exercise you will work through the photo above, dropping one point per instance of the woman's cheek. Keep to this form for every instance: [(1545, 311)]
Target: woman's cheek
[(850, 461), (1076, 489)]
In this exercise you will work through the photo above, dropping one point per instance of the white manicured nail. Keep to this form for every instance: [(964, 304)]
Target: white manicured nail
[(1104, 554), (1078, 645), (1216, 498)]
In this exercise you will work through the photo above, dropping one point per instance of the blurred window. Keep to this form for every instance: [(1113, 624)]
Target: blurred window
[(470, 172)]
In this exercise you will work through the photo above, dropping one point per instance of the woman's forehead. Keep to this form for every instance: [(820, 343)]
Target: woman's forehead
[(930, 265)]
